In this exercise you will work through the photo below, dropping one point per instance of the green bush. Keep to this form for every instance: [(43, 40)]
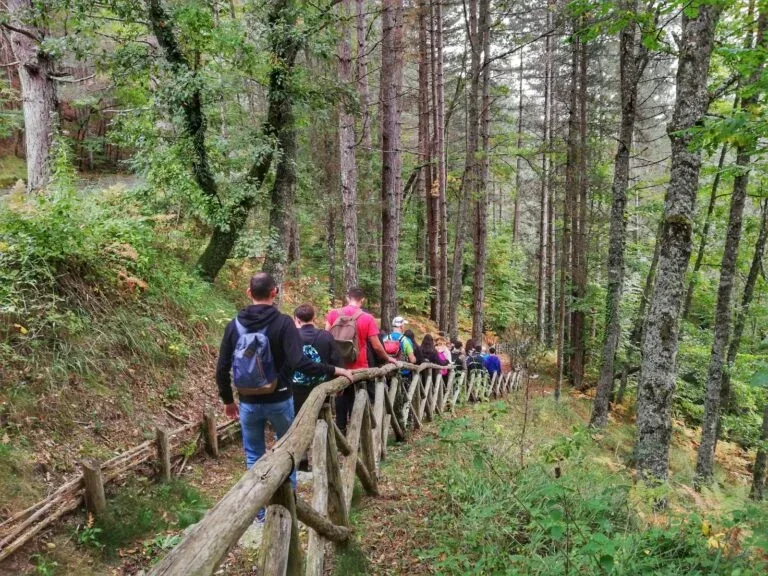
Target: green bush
[(563, 514)]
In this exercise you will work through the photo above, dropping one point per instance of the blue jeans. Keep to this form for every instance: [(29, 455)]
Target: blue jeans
[(253, 418)]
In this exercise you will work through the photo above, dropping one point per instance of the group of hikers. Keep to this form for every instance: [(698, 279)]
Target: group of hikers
[(275, 361)]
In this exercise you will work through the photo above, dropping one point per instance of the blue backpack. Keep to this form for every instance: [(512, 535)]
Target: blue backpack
[(253, 367), (301, 379)]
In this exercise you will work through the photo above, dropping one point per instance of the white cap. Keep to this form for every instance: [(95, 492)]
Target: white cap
[(398, 321)]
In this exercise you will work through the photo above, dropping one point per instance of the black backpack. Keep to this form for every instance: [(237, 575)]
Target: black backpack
[(475, 362)]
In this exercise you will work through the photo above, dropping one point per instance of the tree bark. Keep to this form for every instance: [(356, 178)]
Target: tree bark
[(704, 233), (743, 310), (569, 207), (578, 315), (629, 71), (519, 160), (38, 90), (705, 457), (391, 83), (347, 153), (285, 47), (656, 385), (481, 195), (544, 248), (552, 252), (428, 191), (471, 177), (760, 468), (439, 127), (636, 335)]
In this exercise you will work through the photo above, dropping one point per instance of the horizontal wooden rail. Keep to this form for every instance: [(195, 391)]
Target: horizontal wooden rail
[(22, 526), (363, 447)]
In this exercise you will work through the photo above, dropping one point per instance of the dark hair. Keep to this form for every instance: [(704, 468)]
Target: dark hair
[(305, 313), (355, 293), (492, 350), (428, 346), (410, 335), (457, 344), (478, 348), (469, 347), (261, 286)]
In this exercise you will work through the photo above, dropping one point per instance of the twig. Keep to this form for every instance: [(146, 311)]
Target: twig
[(176, 417)]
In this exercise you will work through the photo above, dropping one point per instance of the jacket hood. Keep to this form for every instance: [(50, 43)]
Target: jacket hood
[(256, 316)]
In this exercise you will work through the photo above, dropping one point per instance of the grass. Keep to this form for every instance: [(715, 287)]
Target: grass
[(139, 509), (12, 169), (458, 502)]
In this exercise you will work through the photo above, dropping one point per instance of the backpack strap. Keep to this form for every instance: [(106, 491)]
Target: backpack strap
[(241, 331), (357, 314)]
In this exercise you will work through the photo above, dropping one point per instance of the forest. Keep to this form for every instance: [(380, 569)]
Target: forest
[(581, 183)]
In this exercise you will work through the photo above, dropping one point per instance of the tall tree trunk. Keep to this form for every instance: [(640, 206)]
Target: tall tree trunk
[(519, 160), (629, 71), (391, 83), (332, 251), (362, 77), (38, 89), (439, 127), (704, 233), (471, 172), (705, 457), (227, 229), (578, 338), (368, 198), (570, 220), (551, 182), (743, 310), (347, 152), (636, 335), (722, 325), (658, 369), (428, 191), (285, 47), (544, 247), (481, 194), (760, 469)]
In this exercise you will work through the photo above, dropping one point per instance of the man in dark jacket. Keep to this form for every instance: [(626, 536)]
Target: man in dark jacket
[(288, 355), (322, 341)]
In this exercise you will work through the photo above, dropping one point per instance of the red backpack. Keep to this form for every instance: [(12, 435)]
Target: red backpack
[(394, 346)]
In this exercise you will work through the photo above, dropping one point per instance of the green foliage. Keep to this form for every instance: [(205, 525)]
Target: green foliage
[(139, 509), (44, 566), (564, 513)]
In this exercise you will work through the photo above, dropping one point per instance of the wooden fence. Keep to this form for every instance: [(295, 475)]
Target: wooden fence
[(88, 486), (267, 483)]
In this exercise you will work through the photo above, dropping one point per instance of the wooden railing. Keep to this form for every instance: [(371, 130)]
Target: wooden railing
[(88, 485), (364, 446)]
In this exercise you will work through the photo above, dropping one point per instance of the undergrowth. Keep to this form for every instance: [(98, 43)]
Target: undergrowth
[(566, 512), (140, 509)]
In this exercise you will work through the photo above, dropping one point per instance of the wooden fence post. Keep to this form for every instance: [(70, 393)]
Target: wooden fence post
[(276, 542), (367, 449), (163, 454), (379, 434), (316, 543), (95, 501), (285, 500), (337, 507), (210, 436)]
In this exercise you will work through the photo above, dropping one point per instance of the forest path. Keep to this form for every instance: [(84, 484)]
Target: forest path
[(403, 530)]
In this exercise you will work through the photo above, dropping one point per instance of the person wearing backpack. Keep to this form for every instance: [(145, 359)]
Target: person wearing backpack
[(319, 346), (475, 361), (398, 345), (262, 349), (353, 329)]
